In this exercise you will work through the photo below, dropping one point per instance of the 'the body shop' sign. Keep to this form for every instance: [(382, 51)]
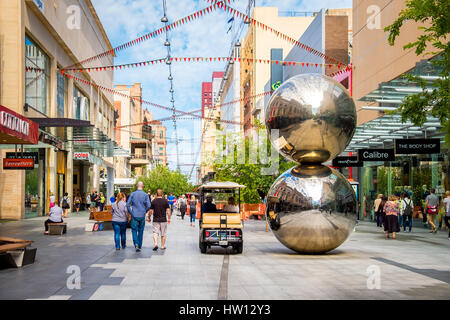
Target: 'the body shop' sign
[(417, 146)]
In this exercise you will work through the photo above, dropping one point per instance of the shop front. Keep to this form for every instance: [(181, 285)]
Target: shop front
[(18, 165)]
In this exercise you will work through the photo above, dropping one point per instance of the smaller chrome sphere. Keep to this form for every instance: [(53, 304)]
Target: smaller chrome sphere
[(311, 209)]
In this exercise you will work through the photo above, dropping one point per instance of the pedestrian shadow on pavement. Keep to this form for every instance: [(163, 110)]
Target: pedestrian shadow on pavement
[(431, 273)]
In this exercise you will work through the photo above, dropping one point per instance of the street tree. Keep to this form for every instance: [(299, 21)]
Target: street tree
[(168, 180), (433, 19)]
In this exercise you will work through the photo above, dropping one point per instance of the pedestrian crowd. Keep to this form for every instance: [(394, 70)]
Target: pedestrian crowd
[(397, 211)]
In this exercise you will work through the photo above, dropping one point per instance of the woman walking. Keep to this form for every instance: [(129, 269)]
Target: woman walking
[(65, 204), (182, 205), (120, 220), (192, 210), (391, 221), (447, 211), (432, 209), (77, 202), (406, 210)]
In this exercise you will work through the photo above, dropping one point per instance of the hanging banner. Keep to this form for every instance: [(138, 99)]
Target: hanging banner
[(376, 155), (417, 146)]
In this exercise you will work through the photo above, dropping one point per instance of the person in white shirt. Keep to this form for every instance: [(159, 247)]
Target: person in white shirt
[(231, 206), (406, 210), (446, 202), (55, 216)]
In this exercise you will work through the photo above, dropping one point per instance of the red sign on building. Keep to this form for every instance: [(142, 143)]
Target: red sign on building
[(18, 164), (16, 129)]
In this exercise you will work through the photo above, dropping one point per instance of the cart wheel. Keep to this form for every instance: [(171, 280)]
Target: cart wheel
[(203, 247), (239, 248)]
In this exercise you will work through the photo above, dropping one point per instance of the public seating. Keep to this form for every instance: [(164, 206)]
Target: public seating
[(57, 228), (16, 252)]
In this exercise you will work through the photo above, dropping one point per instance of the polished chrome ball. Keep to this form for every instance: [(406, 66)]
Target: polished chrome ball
[(315, 117), (311, 209)]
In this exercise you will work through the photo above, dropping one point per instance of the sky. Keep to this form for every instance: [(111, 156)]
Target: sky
[(207, 36)]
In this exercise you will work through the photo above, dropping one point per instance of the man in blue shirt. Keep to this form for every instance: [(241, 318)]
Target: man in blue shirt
[(171, 199), (138, 205)]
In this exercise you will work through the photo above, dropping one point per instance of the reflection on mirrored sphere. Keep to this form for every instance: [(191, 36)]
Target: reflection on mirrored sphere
[(315, 117), (311, 208)]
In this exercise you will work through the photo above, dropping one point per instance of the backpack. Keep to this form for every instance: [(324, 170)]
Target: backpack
[(408, 209), (65, 205)]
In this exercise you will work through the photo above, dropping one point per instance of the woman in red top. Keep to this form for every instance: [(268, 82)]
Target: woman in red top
[(391, 222)]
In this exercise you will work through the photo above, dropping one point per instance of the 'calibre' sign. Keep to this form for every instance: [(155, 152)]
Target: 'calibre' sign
[(342, 162), (417, 146), (376, 155)]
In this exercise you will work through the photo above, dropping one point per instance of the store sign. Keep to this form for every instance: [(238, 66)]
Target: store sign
[(48, 139), (417, 146), (342, 162), (24, 155), (18, 164), (17, 126), (81, 156), (376, 155)]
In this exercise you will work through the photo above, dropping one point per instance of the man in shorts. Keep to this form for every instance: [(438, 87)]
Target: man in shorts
[(160, 209)]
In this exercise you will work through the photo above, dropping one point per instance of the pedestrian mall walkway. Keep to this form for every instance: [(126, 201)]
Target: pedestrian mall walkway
[(415, 266)]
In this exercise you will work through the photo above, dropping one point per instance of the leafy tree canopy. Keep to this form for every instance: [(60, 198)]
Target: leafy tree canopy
[(434, 19), (169, 181)]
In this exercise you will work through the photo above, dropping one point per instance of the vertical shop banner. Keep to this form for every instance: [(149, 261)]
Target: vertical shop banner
[(417, 146)]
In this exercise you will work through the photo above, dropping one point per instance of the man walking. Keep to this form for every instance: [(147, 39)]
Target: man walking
[(160, 208), (138, 205), (171, 199)]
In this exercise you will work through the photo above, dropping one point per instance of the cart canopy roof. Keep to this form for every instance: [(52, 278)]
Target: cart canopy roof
[(221, 185)]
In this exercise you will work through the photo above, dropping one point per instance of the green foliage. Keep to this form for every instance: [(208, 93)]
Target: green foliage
[(383, 179), (434, 19), (250, 174), (169, 181)]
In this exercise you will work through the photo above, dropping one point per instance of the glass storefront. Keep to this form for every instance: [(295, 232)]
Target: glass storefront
[(80, 105), (34, 187), (37, 79)]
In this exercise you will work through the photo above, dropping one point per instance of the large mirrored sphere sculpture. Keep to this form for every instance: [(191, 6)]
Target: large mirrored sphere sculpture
[(311, 209), (315, 117)]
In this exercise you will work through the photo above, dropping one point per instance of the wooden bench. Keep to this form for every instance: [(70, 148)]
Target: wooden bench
[(15, 252), (57, 228)]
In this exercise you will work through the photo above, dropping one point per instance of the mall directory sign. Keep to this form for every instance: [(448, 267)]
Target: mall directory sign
[(417, 146), (376, 155)]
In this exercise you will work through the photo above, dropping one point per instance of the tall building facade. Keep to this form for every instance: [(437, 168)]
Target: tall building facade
[(133, 134), (76, 136), (379, 86), (258, 44), (159, 140), (210, 98)]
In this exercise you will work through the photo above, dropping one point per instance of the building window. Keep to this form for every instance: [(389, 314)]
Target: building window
[(37, 79), (61, 93), (161, 148), (80, 105), (161, 135)]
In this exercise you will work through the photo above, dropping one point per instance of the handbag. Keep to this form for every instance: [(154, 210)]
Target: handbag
[(432, 209)]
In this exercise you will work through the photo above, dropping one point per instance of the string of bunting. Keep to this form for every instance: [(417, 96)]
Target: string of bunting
[(265, 27), (202, 59), (149, 35), (89, 83)]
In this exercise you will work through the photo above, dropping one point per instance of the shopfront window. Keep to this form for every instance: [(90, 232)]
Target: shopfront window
[(34, 186), (80, 105), (37, 77), (61, 94)]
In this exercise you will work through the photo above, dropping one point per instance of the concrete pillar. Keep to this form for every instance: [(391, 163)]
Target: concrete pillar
[(110, 184), (95, 177), (68, 111)]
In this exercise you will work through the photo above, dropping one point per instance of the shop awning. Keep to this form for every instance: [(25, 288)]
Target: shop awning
[(16, 129)]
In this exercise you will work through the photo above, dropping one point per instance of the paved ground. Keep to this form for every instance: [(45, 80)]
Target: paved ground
[(415, 266)]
